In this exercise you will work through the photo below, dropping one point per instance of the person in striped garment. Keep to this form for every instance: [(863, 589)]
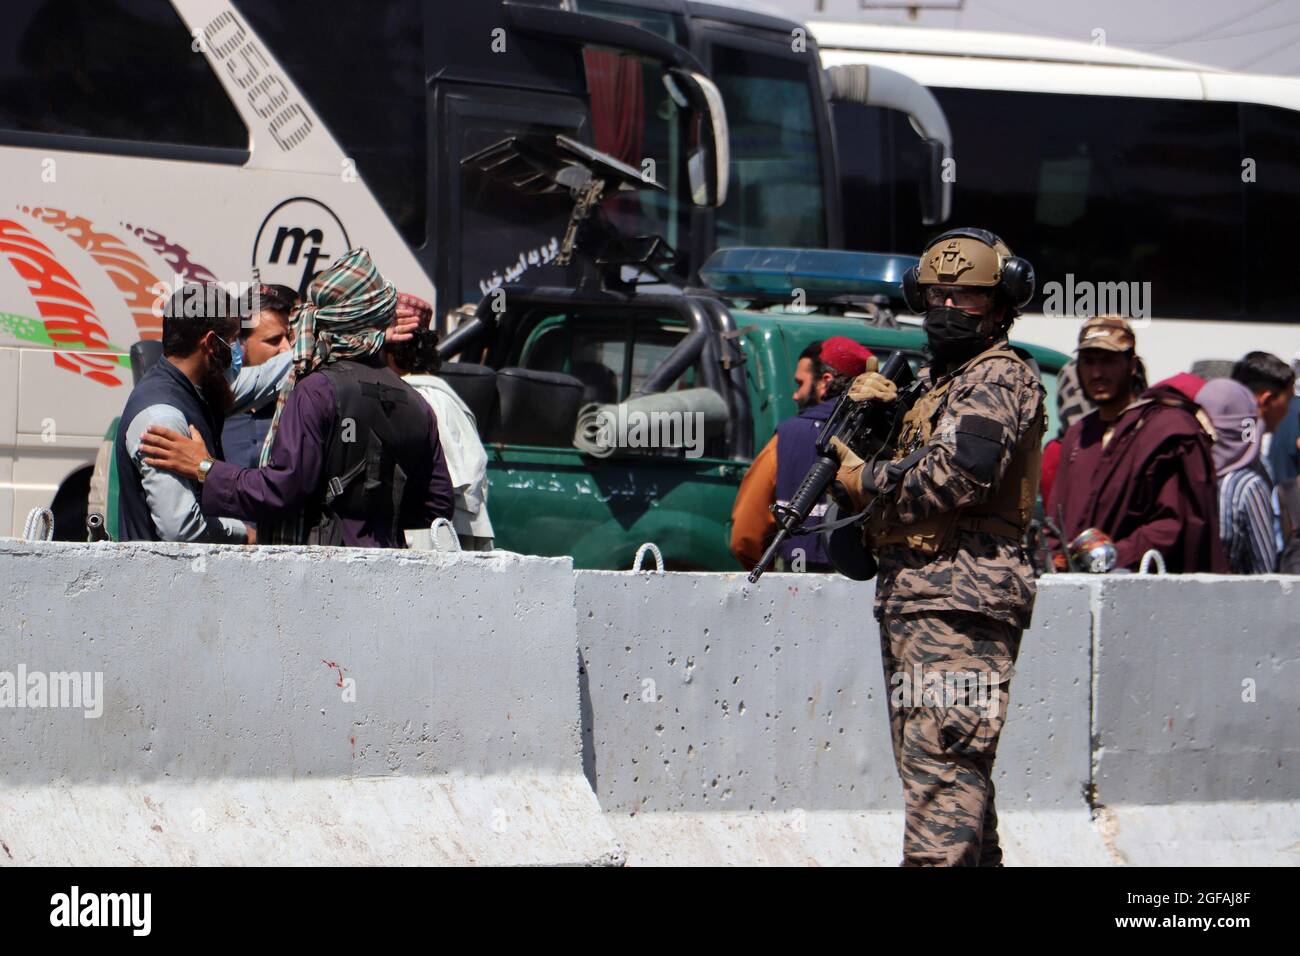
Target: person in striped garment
[(1245, 492)]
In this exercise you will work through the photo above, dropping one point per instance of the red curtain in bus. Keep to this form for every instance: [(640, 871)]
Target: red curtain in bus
[(617, 94)]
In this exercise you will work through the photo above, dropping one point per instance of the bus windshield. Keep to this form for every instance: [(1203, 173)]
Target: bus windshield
[(635, 120), (775, 197)]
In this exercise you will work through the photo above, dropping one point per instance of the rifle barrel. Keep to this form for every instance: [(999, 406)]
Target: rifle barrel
[(768, 556)]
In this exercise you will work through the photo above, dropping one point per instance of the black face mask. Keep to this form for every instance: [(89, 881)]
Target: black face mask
[(954, 335)]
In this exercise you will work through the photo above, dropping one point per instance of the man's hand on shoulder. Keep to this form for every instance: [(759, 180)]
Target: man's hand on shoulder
[(171, 451)]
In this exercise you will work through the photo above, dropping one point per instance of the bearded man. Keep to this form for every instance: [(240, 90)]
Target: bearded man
[(198, 382), (353, 456)]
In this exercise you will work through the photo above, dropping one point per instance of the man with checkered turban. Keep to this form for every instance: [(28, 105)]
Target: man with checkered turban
[(353, 456)]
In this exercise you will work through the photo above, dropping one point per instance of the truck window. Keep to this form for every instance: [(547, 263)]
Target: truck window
[(361, 66), (612, 357), (652, 345), (120, 70), (776, 194)]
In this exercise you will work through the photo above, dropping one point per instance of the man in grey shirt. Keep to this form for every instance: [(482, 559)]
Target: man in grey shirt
[(196, 384)]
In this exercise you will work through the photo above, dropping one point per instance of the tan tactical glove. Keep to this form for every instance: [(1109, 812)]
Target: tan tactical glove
[(872, 386), (848, 479)]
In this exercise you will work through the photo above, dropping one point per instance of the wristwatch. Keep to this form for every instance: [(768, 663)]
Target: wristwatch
[(205, 466)]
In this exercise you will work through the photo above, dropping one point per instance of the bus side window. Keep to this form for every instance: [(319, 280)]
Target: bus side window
[(122, 71), (361, 66), (1271, 183), (881, 163), (1107, 190)]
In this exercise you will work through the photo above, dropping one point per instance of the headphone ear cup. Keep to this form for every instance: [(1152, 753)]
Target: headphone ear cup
[(912, 291), (1018, 282)]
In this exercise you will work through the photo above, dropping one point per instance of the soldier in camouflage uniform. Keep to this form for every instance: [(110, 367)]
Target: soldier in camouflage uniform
[(947, 516)]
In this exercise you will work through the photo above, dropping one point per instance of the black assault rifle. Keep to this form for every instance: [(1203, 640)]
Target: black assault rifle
[(865, 427)]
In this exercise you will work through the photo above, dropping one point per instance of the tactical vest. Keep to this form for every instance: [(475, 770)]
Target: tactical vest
[(795, 453), (380, 437), (1010, 507)]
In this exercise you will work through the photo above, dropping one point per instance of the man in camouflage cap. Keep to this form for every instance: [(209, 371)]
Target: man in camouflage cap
[(1139, 467), (946, 518)]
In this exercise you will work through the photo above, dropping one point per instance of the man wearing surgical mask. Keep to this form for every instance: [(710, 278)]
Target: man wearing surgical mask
[(197, 384), (264, 335)]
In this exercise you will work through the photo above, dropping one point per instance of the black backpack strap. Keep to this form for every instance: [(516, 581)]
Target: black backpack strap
[(337, 486)]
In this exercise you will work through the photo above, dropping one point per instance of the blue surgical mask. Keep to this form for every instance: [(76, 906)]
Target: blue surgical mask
[(236, 359)]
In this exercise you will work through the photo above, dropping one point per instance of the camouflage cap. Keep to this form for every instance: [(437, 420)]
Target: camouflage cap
[(1109, 332)]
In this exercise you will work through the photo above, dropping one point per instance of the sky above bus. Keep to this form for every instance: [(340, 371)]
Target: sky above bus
[(1255, 36)]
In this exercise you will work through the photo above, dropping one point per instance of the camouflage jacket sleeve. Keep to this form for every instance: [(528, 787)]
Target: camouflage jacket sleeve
[(988, 411)]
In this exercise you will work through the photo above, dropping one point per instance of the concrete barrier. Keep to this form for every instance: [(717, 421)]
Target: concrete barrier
[(751, 721), (726, 723), (1196, 719), (293, 705), (261, 705)]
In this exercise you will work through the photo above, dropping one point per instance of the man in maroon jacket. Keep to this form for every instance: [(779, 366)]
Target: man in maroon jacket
[(1138, 468)]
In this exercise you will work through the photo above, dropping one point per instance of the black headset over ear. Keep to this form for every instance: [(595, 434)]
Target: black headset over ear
[(1017, 281)]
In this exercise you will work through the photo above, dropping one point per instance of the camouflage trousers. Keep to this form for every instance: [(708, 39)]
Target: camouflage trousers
[(947, 677)]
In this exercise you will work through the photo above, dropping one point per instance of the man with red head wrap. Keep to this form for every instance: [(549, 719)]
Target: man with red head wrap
[(824, 371)]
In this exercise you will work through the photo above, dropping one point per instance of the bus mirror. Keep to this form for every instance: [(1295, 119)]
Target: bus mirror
[(709, 143), (865, 85), (934, 203)]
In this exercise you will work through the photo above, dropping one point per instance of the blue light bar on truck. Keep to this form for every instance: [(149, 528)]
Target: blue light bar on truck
[(821, 273)]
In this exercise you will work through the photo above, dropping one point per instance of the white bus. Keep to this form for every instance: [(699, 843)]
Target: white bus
[(147, 142), (1118, 174), (142, 141)]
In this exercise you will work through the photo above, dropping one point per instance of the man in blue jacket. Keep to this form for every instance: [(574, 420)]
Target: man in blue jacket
[(778, 469)]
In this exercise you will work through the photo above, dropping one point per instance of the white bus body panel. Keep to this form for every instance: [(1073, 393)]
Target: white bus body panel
[(968, 60), (838, 35), (107, 229)]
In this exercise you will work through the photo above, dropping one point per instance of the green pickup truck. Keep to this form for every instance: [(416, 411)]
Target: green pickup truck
[(740, 338), (531, 360)]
